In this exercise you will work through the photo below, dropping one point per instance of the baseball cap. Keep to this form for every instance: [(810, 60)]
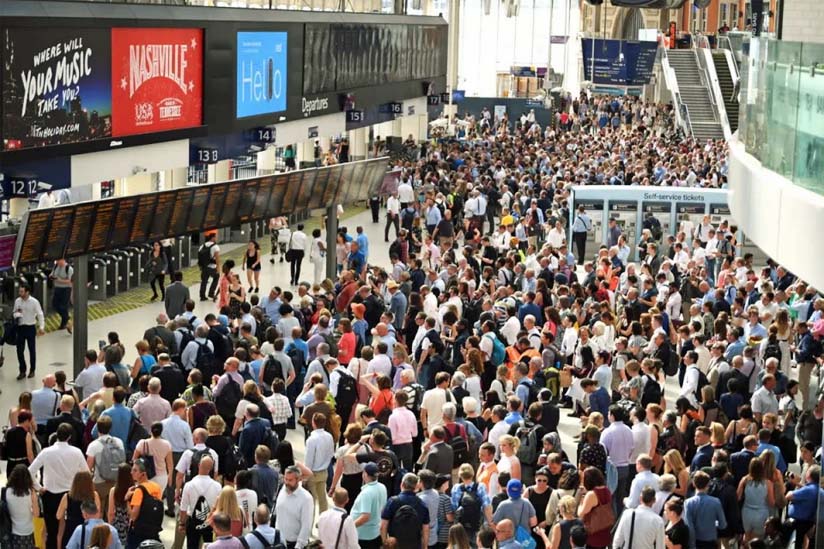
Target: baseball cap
[(371, 469), (514, 488)]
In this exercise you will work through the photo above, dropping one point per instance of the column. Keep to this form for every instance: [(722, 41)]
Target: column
[(80, 313), (454, 44), (331, 241), (18, 207), (137, 184), (266, 160), (177, 178), (219, 172), (358, 142)]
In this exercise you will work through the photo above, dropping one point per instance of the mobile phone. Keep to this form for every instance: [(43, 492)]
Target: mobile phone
[(101, 343)]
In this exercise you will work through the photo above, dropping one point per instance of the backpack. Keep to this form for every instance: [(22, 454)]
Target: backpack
[(532, 392), (204, 360), (204, 255), (671, 367), (530, 445), (395, 249), (298, 360), (272, 370), (246, 372), (347, 392), (232, 462), (404, 522), (655, 229), (276, 544), (271, 441), (194, 464), (498, 351), (460, 446), (229, 398), (186, 337), (702, 382), (149, 521), (772, 350), (109, 459), (651, 393), (200, 515), (329, 339), (469, 513)]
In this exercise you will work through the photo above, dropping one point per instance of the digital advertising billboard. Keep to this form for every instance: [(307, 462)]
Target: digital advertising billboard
[(56, 87), (261, 83), (157, 80)]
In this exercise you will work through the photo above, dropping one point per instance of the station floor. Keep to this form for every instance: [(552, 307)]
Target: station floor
[(54, 350)]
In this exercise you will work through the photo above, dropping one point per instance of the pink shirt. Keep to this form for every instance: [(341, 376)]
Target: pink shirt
[(404, 425), (152, 408)]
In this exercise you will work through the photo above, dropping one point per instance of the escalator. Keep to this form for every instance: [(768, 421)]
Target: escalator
[(728, 87)]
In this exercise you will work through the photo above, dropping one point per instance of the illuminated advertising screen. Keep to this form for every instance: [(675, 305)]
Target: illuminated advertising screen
[(56, 88), (261, 73), (157, 79)]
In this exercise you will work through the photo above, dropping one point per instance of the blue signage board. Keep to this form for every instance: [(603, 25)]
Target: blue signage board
[(618, 62), (261, 73)]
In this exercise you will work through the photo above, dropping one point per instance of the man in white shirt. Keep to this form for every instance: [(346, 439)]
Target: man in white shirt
[(90, 380), (500, 427), (556, 236), (393, 210), (691, 377), (641, 528), (199, 436), (295, 510), (644, 478), (60, 463), (336, 528), (320, 448), (30, 323), (194, 512), (406, 194), (433, 401), (103, 480)]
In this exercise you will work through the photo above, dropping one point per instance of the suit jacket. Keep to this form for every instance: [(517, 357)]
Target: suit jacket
[(439, 460), (176, 295), (703, 458), (77, 437)]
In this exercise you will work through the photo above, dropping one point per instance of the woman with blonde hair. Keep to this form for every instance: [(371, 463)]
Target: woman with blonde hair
[(559, 534), (68, 512), (219, 442), (227, 503), (501, 384), (509, 462), (251, 395), (674, 465), (717, 435), (782, 322)]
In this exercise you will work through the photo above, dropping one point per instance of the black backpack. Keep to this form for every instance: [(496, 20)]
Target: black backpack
[(347, 392), (149, 521), (468, 513), (232, 462), (702, 382), (459, 445), (298, 360), (200, 516), (272, 370), (533, 391), (186, 337), (772, 350), (651, 393), (222, 345), (404, 522), (205, 360), (194, 464), (264, 410), (672, 365), (276, 544), (229, 398), (204, 255), (5, 520)]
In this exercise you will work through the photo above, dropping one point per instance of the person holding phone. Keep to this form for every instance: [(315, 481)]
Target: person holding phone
[(30, 323)]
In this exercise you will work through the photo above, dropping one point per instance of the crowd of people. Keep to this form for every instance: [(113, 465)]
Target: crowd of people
[(432, 387)]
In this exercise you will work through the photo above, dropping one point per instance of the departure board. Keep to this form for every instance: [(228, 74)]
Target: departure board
[(143, 218), (229, 217), (159, 228), (332, 186), (275, 208), (81, 229), (316, 201), (197, 214), (58, 233), (247, 200), (103, 218), (122, 227), (36, 229), (215, 207), (180, 213), (92, 227), (307, 187), (267, 184), (292, 189)]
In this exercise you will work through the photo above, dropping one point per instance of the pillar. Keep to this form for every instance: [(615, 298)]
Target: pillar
[(18, 207), (80, 313), (358, 139), (331, 241), (453, 45), (177, 178), (137, 184), (219, 172), (266, 160)]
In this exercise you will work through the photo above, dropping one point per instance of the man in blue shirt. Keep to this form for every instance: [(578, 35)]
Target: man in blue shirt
[(82, 535), (599, 399), (433, 216), (704, 515), (363, 242), (121, 418), (367, 508), (271, 304), (406, 497), (356, 259), (735, 345), (804, 504), (764, 445)]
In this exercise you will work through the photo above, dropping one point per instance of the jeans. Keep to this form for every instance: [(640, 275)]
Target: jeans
[(169, 493), (205, 275), (580, 240), (60, 301), (294, 265), (710, 265), (160, 280), (27, 334), (391, 220)]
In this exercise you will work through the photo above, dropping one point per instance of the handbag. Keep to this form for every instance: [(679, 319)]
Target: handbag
[(290, 255), (522, 535), (565, 377), (600, 518)]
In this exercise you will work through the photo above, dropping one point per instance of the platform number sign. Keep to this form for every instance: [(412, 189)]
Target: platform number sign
[(207, 155), (265, 135), (355, 116), (396, 108), (19, 187)]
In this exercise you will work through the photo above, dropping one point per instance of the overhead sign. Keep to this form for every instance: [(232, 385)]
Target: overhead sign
[(618, 62), (56, 87), (156, 80), (433, 100), (355, 116), (90, 227), (261, 73)]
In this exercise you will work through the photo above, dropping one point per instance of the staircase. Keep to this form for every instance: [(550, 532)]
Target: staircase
[(696, 95), (722, 70)]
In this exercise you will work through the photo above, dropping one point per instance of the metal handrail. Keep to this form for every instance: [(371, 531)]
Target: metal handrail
[(707, 80), (732, 52), (672, 82), (686, 116)]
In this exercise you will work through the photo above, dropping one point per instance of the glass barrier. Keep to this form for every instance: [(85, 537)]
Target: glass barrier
[(782, 109)]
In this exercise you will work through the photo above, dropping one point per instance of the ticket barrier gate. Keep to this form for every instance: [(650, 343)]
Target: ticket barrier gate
[(10, 285), (97, 279), (38, 282), (181, 253), (135, 265), (123, 258)]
